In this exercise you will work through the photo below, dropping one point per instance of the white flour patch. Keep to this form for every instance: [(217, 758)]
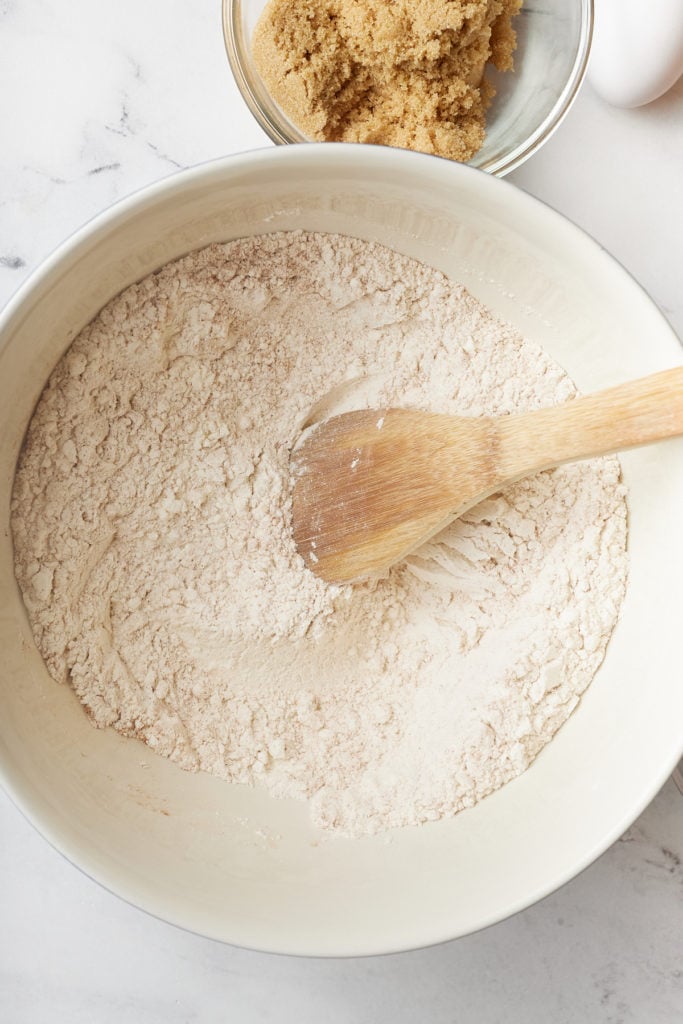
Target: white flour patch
[(150, 517)]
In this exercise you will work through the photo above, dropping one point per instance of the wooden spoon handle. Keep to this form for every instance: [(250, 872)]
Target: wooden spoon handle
[(637, 413)]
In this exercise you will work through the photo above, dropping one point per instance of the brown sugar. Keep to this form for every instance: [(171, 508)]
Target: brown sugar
[(395, 72)]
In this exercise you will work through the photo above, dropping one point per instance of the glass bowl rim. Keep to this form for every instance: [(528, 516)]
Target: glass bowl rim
[(281, 131)]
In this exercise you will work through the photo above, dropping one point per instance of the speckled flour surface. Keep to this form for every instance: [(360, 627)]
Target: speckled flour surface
[(150, 518)]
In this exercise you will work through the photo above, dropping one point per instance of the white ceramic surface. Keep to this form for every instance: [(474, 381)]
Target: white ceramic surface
[(230, 862)]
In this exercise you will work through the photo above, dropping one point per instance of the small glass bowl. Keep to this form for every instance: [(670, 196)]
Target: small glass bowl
[(553, 42)]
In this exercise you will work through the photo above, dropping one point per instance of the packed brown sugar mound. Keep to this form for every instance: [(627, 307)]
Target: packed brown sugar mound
[(394, 72)]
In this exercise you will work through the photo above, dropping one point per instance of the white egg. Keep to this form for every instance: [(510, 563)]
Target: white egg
[(637, 52)]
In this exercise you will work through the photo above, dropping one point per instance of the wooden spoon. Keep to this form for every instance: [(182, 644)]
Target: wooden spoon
[(371, 486)]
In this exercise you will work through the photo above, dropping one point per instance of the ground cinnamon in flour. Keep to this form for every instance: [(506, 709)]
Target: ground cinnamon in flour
[(150, 517), (394, 72)]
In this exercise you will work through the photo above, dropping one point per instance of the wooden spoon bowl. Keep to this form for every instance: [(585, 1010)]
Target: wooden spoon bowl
[(373, 485)]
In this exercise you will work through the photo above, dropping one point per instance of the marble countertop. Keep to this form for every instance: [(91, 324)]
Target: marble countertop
[(97, 100)]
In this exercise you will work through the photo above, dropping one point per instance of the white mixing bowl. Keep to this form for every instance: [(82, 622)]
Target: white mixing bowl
[(228, 861)]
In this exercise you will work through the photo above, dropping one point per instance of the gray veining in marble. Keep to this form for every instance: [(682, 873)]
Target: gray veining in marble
[(97, 100)]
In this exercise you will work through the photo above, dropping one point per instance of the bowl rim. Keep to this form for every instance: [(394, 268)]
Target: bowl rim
[(21, 790), (282, 131)]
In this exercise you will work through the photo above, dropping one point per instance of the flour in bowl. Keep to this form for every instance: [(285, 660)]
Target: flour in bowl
[(151, 523)]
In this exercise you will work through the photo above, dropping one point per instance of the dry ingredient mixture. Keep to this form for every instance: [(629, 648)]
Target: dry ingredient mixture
[(150, 516), (393, 72)]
